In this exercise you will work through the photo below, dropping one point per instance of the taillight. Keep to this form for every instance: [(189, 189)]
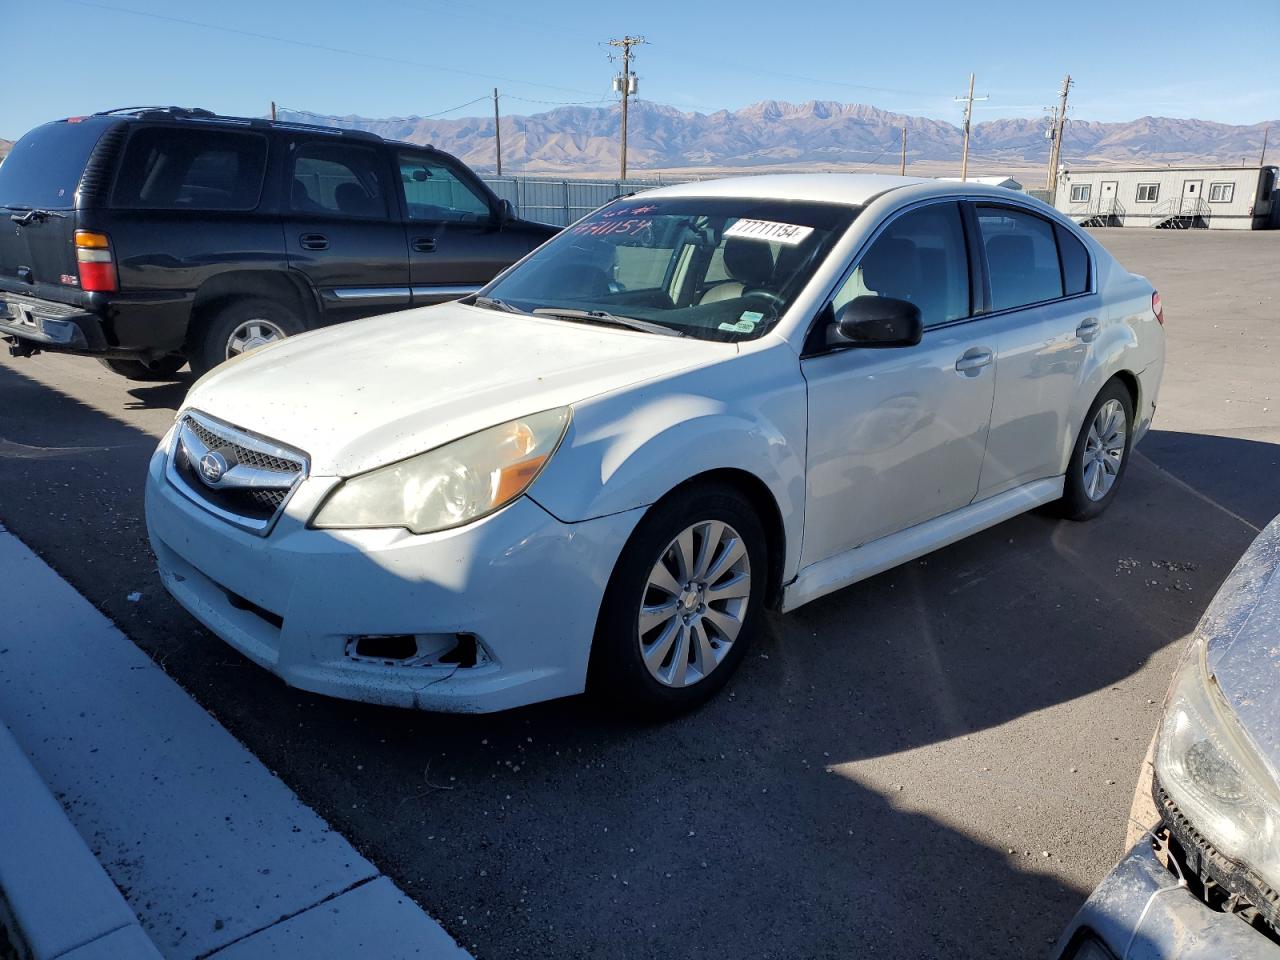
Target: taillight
[(1157, 307), (96, 263)]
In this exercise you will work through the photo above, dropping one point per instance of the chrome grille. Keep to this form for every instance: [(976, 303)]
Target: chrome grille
[(242, 478), (249, 457)]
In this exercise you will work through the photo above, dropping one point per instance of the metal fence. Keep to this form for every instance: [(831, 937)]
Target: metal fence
[(561, 202)]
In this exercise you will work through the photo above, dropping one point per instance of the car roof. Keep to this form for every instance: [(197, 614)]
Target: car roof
[(856, 189)]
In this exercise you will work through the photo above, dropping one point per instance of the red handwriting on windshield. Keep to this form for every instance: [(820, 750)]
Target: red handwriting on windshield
[(622, 228)]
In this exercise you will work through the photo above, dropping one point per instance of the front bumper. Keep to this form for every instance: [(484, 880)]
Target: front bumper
[(526, 585), (1140, 911)]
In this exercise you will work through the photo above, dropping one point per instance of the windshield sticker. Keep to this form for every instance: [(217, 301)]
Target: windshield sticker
[(785, 233), (753, 315), (746, 325)]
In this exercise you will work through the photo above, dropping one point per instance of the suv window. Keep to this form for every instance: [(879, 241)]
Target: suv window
[(1075, 261), (338, 178), (434, 192), (195, 169), (921, 256), (43, 169), (1022, 257)]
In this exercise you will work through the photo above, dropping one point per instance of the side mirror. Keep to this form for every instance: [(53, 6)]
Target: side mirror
[(421, 174), (880, 322), (506, 211)]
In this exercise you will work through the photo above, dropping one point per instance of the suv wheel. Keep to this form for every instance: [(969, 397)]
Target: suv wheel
[(682, 603), (240, 327), (146, 370)]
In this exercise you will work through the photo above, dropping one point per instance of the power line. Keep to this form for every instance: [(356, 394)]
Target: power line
[(237, 31)]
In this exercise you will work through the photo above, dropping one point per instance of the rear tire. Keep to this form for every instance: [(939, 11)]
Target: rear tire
[(659, 651), (239, 327), (146, 370), (1100, 456)]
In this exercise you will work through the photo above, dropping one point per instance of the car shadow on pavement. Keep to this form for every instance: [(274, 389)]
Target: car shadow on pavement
[(893, 772), (169, 394)]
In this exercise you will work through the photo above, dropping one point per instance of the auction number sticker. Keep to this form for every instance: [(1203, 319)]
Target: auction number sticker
[(789, 234)]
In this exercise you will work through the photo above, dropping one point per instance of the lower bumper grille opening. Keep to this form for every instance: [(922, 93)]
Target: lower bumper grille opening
[(241, 603), (417, 650)]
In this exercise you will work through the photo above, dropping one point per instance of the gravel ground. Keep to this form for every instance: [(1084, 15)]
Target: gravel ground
[(936, 762)]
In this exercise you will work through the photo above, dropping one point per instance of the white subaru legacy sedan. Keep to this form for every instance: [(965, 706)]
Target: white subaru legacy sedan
[(693, 404)]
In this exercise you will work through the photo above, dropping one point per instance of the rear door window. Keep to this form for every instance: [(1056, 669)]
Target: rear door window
[(340, 179), (1022, 257), (43, 169), (166, 168), (1075, 261)]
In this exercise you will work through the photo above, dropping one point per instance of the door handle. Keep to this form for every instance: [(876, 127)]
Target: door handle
[(314, 241), (1088, 330), (973, 360), (424, 244)]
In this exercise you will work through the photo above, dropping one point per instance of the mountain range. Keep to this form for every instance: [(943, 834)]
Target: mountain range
[(817, 133)]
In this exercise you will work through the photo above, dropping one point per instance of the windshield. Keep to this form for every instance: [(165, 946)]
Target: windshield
[(715, 269)]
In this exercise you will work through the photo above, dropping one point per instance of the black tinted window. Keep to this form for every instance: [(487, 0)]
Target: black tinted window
[(44, 167), (338, 178), (194, 169), (1022, 257), (921, 257), (1075, 261)]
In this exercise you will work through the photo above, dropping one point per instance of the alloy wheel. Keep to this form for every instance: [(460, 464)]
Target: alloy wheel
[(252, 334), (1104, 450), (694, 603)]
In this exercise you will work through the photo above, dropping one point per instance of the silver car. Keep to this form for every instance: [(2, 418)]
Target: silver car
[(1206, 882)]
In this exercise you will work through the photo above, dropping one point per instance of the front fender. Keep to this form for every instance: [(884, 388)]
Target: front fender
[(630, 448)]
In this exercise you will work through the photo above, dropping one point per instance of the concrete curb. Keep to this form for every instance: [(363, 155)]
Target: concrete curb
[(214, 853), (45, 866)]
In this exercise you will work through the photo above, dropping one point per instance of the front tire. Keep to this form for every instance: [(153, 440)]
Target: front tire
[(1101, 454), (682, 604), (239, 327)]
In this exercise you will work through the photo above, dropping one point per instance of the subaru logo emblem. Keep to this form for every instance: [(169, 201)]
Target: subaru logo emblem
[(212, 467)]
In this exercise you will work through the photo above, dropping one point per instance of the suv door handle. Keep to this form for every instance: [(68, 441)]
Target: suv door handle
[(1088, 330), (423, 244), (314, 241), (973, 360)]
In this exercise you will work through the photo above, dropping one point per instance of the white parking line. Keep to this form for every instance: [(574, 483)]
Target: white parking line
[(215, 855)]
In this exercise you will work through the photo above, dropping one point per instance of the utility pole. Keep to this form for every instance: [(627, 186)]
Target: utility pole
[(1055, 147), (1266, 134), (273, 110), (968, 122), (903, 170), (497, 133), (625, 83)]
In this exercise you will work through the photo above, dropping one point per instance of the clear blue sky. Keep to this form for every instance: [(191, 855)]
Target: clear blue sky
[(383, 58)]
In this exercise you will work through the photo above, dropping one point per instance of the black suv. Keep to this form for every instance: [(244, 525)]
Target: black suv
[(156, 236)]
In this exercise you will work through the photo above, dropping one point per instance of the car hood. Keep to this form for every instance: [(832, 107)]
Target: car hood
[(367, 393), (1242, 629)]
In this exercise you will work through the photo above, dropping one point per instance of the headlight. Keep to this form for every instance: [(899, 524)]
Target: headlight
[(1212, 773), (451, 485)]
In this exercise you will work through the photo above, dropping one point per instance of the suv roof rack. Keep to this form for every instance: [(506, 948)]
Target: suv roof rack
[(199, 113)]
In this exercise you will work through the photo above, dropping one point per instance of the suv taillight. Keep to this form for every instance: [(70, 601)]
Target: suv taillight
[(96, 262), (1157, 307)]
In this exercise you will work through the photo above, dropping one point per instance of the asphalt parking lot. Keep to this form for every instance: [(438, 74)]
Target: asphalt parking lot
[(936, 762)]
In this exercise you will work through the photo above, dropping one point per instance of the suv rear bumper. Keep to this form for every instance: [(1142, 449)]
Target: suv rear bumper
[(55, 326)]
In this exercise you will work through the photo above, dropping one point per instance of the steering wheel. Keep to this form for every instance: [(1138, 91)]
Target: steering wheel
[(764, 294)]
